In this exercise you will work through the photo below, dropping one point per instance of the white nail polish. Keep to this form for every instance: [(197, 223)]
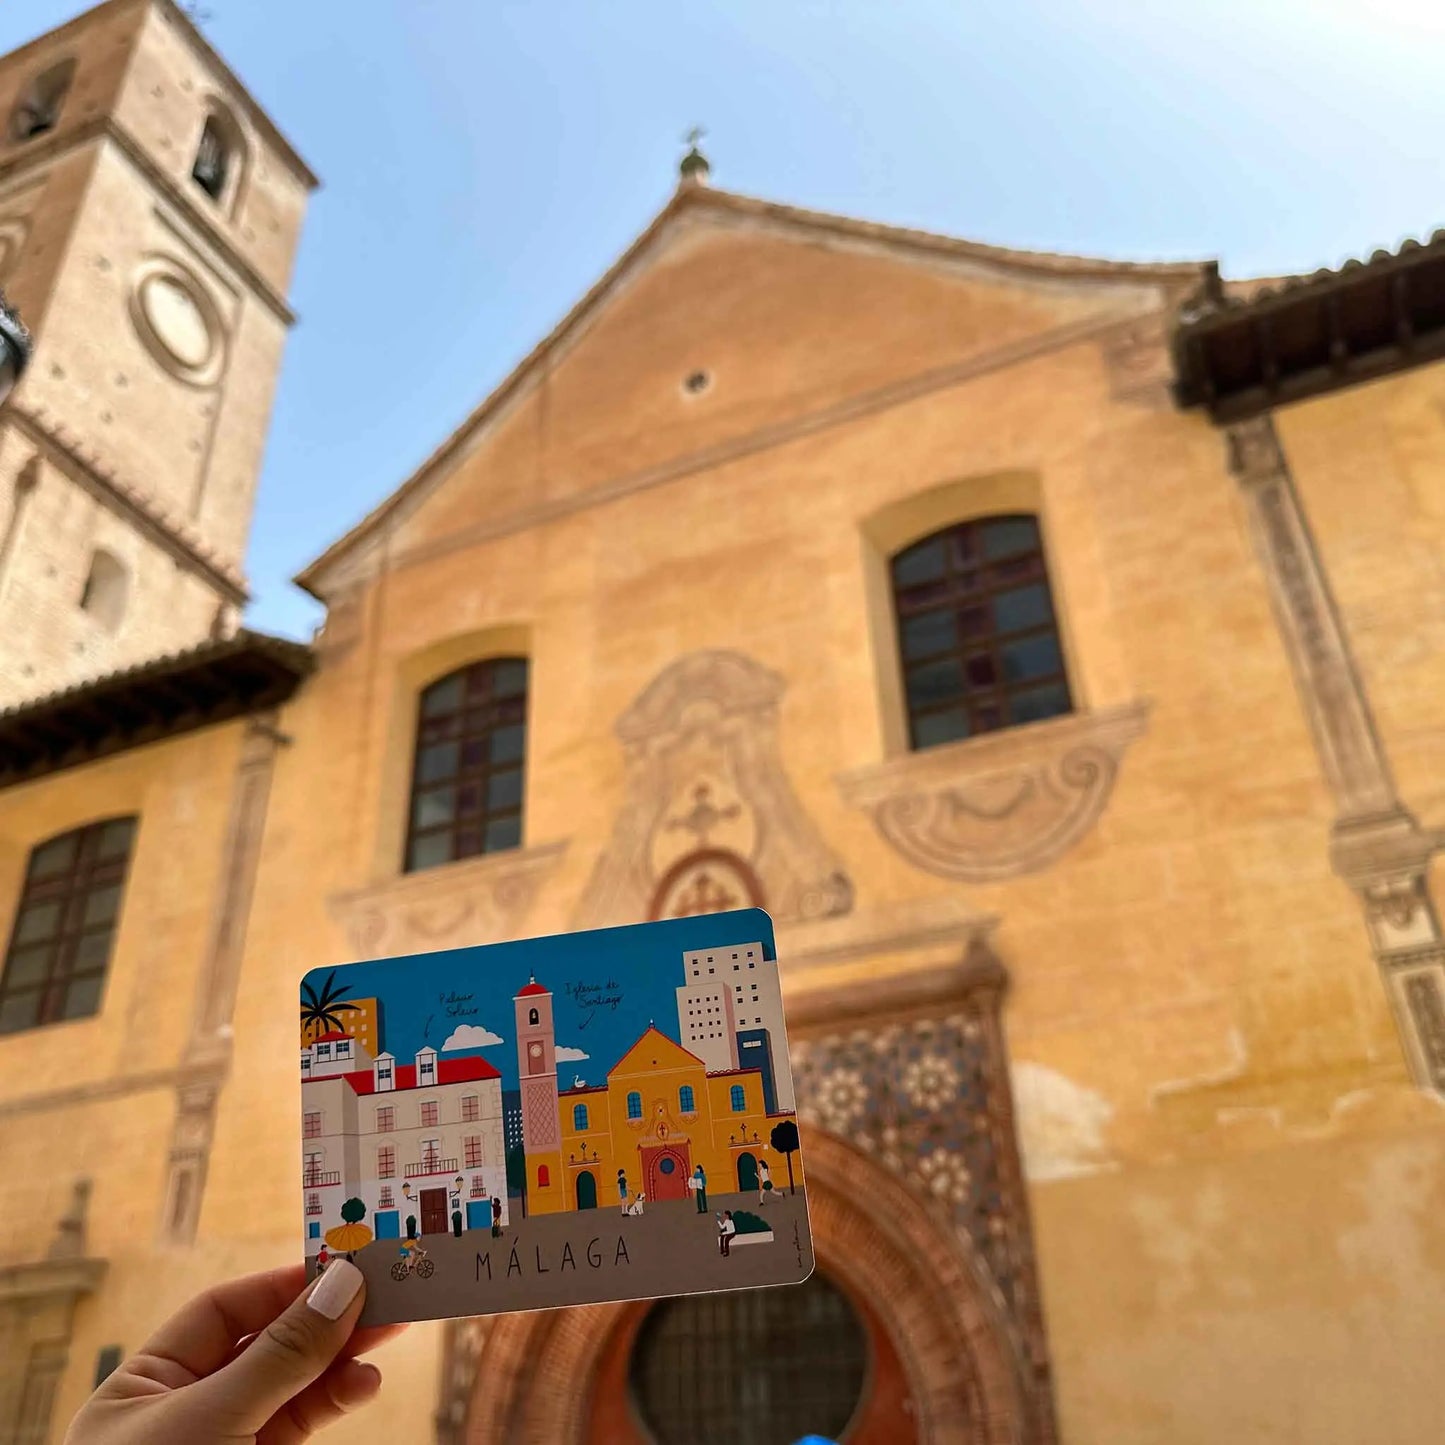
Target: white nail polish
[(335, 1289)]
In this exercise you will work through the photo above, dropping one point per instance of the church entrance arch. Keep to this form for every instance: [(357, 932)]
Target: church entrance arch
[(665, 1170), (747, 1173), (586, 1190), (944, 1371)]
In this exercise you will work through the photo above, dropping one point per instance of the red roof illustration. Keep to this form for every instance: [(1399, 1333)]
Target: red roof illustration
[(328, 1038), (533, 987), (449, 1071)]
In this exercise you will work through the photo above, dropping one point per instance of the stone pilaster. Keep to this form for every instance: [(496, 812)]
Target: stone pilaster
[(1376, 844), (208, 1052)]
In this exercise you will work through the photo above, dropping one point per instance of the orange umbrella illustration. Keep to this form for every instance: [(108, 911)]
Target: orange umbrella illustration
[(347, 1238)]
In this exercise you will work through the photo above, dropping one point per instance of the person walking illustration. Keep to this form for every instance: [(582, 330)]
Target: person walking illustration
[(765, 1181), (496, 1217), (622, 1188), (411, 1218), (699, 1184), (725, 1231)]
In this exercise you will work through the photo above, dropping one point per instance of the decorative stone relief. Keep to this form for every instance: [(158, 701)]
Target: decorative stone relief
[(1001, 805), (477, 900), (927, 1094), (710, 819), (1376, 844)]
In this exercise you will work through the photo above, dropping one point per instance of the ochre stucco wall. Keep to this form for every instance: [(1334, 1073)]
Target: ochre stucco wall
[(1237, 1194)]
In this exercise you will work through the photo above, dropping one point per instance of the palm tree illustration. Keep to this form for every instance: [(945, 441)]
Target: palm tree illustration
[(322, 1011)]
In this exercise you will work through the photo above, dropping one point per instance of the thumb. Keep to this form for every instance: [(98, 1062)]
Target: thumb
[(291, 1352)]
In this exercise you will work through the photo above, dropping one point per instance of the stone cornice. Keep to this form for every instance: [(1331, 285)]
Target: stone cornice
[(119, 1086), (163, 527), (49, 1278), (922, 990), (1000, 805)]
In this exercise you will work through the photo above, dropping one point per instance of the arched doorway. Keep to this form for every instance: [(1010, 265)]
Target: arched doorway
[(586, 1190), (747, 1173), (665, 1171), (561, 1378), (789, 1362)]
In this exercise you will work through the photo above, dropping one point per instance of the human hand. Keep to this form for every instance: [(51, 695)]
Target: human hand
[(246, 1363)]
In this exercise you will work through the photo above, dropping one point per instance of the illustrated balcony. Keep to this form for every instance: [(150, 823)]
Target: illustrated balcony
[(313, 1178), (431, 1164)]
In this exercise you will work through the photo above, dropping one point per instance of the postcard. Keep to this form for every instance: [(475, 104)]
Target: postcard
[(569, 1120)]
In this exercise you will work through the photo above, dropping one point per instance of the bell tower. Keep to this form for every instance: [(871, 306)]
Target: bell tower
[(149, 215), (537, 1075)]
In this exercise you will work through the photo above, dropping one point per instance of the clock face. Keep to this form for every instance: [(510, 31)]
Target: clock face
[(536, 1051)]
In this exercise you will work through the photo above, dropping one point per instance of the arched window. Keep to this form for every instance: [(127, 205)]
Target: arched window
[(579, 1117), (106, 586), (532, 1017), (791, 1363), (634, 1105), (544, 1177), (471, 741), (685, 1102), (60, 944), (38, 109), (739, 1098), (218, 157), (976, 631)]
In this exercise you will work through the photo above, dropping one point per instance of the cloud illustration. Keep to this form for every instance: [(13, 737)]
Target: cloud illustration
[(570, 1056), (471, 1036)]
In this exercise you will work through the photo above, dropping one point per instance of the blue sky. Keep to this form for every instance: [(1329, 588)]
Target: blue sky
[(485, 160), (425, 997)]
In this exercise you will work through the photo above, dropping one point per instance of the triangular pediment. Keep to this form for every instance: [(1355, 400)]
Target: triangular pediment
[(653, 1051), (786, 315)]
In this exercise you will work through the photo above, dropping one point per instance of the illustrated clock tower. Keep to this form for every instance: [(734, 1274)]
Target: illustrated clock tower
[(149, 215), (541, 1125)]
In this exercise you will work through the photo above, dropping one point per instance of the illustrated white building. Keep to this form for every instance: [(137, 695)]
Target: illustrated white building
[(416, 1143), (731, 1004)]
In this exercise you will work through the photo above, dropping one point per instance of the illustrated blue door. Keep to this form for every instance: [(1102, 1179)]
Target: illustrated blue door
[(388, 1224), (747, 1173), (586, 1190), (479, 1214), (313, 1229)]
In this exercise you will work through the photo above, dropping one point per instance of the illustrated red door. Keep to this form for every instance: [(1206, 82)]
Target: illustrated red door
[(666, 1169), (433, 1211)]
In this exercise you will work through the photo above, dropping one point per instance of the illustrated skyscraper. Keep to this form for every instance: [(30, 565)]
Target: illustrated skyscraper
[(730, 1014), (149, 214)]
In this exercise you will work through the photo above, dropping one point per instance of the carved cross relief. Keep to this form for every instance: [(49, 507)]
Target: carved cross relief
[(710, 821)]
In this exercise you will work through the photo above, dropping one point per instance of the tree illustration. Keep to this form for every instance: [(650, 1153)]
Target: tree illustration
[(785, 1141), (324, 1009), (353, 1211)]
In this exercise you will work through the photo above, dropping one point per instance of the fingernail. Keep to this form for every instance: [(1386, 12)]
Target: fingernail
[(335, 1289)]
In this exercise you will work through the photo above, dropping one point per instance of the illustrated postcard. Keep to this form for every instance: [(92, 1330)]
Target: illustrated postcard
[(570, 1120)]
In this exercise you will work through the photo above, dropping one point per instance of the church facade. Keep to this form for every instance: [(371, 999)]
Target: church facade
[(1053, 647)]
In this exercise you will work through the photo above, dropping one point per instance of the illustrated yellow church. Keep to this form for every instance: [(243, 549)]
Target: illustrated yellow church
[(1054, 647), (659, 1116)]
